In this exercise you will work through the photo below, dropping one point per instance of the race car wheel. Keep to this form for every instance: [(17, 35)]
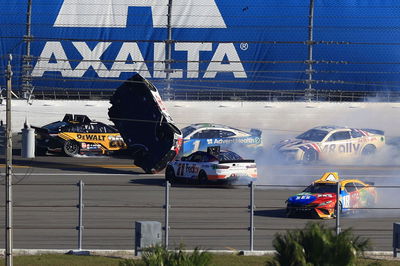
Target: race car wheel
[(202, 178), (310, 156), (40, 151), (71, 148), (170, 174), (368, 150)]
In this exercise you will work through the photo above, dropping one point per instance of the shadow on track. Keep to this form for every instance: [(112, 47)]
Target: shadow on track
[(276, 213), (68, 164)]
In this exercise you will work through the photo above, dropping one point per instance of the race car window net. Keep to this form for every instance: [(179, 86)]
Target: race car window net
[(226, 134), (313, 135), (55, 126), (228, 156), (350, 187), (339, 136), (207, 134), (355, 134)]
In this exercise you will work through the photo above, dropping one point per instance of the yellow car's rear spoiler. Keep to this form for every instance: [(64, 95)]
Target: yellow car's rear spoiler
[(328, 177)]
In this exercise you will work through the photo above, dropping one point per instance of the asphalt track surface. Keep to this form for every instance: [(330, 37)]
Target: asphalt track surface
[(116, 194)]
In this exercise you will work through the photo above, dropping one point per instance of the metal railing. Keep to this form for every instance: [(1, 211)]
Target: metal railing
[(172, 210), (229, 95)]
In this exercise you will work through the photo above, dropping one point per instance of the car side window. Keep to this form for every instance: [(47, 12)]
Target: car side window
[(359, 186), (209, 158), (341, 135), (89, 128), (355, 134), (226, 134), (350, 187), (207, 134), (197, 158)]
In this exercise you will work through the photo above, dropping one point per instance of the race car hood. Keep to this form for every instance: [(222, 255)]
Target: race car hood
[(305, 198), (144, 123)]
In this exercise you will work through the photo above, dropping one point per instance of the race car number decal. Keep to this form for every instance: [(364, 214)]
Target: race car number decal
[(343, 148), (181, 169), (346, 201)]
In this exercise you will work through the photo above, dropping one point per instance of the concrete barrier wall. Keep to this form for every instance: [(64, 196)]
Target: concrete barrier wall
[(284, 118)]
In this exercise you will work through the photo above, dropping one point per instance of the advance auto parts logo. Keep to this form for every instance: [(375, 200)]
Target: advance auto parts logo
[(114, 14)]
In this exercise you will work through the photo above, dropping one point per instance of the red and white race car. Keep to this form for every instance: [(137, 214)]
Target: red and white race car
[(217, 166)]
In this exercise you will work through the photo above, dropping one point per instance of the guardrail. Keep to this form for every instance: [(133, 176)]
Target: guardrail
[(228, 95), (240, 218)]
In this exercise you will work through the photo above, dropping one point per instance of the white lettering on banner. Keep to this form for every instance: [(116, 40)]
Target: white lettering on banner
[(234, 65), (54, 59), (193, 56), (114, 13), (129, 49), (91, 58), (53, 51), (159, 65)]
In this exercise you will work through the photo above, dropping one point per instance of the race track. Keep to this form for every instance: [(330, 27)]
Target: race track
[(116, 194)]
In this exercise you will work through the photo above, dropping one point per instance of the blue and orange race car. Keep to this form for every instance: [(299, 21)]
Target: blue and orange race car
[(319, 199)]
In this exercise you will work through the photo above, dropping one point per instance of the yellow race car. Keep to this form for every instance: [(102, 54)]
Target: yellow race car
[(77, 134), (319, 199)]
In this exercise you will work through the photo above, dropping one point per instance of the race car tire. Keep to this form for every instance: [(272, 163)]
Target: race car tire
[(40, 151), (202, 178), (170, 174), (368, 150), (310, 156), (71, 148)]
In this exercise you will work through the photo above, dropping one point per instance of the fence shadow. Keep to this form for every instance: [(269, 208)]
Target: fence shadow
[(70, 166), (276, 213)]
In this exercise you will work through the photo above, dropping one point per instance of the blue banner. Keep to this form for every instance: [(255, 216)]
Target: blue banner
[(216, 44)]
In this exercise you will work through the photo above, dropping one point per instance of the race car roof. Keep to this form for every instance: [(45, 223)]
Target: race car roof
[(203, 125), (333, 178), (330, 128)]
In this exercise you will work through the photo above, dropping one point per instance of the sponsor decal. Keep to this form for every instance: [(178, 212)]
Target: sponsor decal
[(255, 140), (192, 169), (303, 197), (129, 57), (114, 14), (53, 58), (90, 137), (116, 142), (325, 196), (342, 148)]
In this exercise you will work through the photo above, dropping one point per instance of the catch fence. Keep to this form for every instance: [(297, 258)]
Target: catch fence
[(229, 95), (102, 216)]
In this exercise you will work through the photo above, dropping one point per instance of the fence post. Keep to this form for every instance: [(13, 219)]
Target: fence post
[(251, 210), (338, 208), (166, 207), (80, 216)]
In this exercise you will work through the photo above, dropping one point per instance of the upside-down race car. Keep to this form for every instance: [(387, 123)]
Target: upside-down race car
[(147, 128), (319, 198), (215, 165), (331, 143), (77, 134), (197, 137)]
